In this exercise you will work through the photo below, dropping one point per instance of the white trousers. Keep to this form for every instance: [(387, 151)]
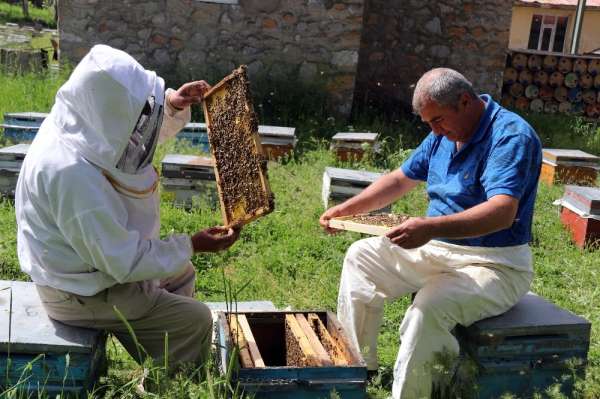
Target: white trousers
[(454, 284)]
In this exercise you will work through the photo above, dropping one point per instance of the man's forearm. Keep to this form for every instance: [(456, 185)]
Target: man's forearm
[(381, 193), (497, 213)]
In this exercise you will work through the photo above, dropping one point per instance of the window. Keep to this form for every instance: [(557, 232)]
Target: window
[(548, 33)]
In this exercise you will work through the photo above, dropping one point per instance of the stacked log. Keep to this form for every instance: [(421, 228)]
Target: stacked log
[(549, 83)]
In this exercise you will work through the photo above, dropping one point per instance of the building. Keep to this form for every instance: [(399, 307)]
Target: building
[(367, 52), (547, 25)]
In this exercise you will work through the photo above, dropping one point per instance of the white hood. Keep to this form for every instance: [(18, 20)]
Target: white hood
[(78, 231), (97, 109)]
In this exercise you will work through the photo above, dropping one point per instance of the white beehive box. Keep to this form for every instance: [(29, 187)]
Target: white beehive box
[(352, 145), (187, 177), (11, 160), (340, 185)]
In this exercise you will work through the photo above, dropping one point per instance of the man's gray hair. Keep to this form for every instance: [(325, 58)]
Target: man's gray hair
[(444, 86)]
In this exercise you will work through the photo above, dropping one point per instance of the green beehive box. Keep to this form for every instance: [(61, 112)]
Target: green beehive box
[(40, 354)]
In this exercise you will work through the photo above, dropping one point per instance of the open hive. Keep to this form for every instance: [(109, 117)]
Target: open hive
[(374, 224), (240, 166), (274, 350)]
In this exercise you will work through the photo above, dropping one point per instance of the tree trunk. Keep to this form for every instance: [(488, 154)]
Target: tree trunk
[(25, 4)]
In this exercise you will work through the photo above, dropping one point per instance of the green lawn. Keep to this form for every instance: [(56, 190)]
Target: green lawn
[(287, 259), (14, 13)]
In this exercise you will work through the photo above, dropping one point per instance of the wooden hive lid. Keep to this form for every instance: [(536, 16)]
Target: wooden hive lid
[(567, 155), (32, 116), (278, 131), (32, 331), (532, 315), (14, 152), (353, 136), (586, 198), (189, 161), (351, 176), (195, 127)]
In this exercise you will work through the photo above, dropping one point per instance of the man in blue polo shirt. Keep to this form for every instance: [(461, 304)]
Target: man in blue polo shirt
[(469, 258)]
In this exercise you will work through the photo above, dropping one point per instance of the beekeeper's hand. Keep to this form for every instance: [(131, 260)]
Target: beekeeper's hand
[(188, 94), (215, 239), (330, 213)]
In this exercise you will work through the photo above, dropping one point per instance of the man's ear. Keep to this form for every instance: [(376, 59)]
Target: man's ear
[(465, 100)]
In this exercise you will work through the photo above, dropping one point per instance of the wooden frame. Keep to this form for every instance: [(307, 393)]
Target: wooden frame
[(331, 346), (245, 124), (343, 223)]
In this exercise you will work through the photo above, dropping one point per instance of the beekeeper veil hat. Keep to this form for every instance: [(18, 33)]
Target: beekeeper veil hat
[(110, 111)]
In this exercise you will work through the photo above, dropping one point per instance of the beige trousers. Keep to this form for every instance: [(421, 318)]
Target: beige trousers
[(454, 285), (152, 312)]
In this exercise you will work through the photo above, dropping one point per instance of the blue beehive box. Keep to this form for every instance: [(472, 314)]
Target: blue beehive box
[(195, 134), (528, 349), (39, 354), (277, 379), (22, 126)]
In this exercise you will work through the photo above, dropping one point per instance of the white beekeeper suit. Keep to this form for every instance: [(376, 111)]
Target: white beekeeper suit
[(87, 205)]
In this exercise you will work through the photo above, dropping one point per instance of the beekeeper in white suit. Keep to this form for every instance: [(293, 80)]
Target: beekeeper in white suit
[(87, 211)]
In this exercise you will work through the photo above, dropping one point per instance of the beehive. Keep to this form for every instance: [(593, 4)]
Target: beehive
[(287, 354), (580, 214), (276, 141), (195, 135), (11, 160), (189, 178), (241, 167), (569, 167), (340, 185), (22, 126), (527, 349), (37, 353), (353, 146)]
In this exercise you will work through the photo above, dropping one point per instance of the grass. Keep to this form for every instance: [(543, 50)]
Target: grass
[(14, 13), (287, 259)]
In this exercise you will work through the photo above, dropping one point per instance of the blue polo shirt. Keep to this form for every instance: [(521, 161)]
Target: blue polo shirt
[(503, 157)]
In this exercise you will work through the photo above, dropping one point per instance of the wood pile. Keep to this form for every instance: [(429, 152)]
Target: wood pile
[(550, 83)]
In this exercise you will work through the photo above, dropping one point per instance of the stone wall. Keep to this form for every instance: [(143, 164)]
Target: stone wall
[(402, 39), (190, 39)]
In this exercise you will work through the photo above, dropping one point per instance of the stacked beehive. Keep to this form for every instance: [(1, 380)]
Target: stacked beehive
[(551, 83)]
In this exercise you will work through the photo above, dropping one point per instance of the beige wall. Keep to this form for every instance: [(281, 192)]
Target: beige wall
[(521, 24)]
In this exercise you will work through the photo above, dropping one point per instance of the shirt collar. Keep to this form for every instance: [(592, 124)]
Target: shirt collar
[(491, 109)]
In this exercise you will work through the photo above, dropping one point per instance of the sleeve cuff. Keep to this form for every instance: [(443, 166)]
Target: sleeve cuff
[(503, 191), (408, 173), (170, 109)]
